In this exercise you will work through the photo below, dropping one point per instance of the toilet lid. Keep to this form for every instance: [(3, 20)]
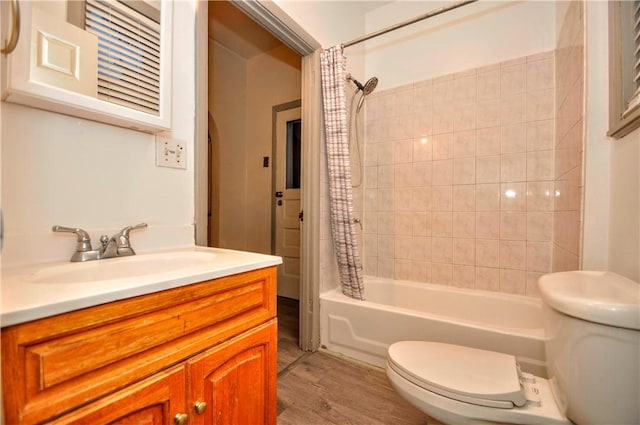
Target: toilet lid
[(466, 374)]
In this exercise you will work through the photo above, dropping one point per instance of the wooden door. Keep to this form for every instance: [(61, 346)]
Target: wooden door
[(154, 401), (236, 380), (287, 202)]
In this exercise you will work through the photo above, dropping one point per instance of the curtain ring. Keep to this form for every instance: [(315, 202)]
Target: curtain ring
[(15, 29)]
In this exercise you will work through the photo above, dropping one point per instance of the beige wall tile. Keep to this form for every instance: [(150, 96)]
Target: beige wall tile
[(403, 247), (540, 165), (488, 225), (487, 252), (441, 273), (540, 135), (464, 251), (488, 169), (464, 276), (442, 198), (403, 224), (488, 279), (421, 224), (403, 175), (422, 149), (464, 170), (402, 269), (512, 281), (464, 144), (403, 199), (540, 74), (539, 256), (421, 249), (422, 173), (488, 84), (465, 86), (442, 172), (464, 197), (513, 79), (421, 199), (539, 226), (513, 138), (514, 109), (488, 141), (513, 197), (488, 197), (464, 224), (420, 271), (540, 196), (442, 250), (442, 224), (386, 200), (513, 226), (464, 117), (443, 146), (513, 167), (403, 151), (513, 255)]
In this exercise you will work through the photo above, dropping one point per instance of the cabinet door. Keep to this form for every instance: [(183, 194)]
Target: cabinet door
[(236, 380), (155, 401)]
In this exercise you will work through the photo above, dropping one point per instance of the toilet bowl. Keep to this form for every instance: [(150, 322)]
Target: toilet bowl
[(592, 325)]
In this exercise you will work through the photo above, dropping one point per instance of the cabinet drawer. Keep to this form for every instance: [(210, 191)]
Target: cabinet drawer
[(55, 364)]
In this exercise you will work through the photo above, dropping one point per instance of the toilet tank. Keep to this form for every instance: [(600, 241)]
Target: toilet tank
[(592, 325)]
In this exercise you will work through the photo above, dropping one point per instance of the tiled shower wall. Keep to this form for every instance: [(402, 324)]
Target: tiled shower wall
[(567, 217), (459, 178)]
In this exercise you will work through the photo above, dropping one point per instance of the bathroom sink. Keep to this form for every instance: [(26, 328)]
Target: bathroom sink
[(125, 267), (41, 290)]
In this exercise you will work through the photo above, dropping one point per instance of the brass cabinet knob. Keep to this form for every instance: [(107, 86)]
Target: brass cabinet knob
[(200, 407), (181, 419)]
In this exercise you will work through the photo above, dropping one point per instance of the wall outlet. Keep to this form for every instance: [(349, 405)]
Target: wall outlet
[(170, 152)]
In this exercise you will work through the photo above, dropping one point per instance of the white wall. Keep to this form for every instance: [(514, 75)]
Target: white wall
[(595, 246), (228, 105), (474, 35), (624, 231), (612, 179), (63, 170), (273, 78)]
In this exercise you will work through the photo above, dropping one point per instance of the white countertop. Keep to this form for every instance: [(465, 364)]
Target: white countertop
[(44, 290)]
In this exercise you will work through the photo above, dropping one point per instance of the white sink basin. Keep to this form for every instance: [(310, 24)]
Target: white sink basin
[(125, 267), (37, 291)]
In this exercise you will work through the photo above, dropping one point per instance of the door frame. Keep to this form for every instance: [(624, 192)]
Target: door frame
[(275, 20)]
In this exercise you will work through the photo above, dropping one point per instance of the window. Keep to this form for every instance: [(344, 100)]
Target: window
[(294, 153), (128, 51), (624, 67), (104, 60)]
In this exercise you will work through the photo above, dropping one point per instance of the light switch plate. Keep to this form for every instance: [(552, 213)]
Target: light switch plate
[(170, 152)]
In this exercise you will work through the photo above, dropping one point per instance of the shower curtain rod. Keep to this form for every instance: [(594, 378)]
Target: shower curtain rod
[(408, 22)]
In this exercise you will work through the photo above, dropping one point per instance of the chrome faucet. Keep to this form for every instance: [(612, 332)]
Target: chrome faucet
[(116, 246)]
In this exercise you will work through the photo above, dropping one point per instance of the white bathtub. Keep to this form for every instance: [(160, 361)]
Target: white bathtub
[(398, 311)]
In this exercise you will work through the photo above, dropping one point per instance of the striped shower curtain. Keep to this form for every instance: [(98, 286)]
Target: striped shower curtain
[(333, 65)]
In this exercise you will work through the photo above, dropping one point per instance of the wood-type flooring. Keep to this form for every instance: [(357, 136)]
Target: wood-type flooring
[(322, 389)]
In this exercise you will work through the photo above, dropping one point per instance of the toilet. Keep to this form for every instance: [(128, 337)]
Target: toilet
[(592, 327)]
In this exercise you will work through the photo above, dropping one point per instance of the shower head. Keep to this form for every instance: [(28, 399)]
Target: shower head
[(368, 87)]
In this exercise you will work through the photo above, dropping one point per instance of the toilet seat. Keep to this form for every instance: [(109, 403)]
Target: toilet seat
[(472, 397), (466, 374)]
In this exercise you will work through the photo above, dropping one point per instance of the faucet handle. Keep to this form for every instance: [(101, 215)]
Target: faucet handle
[(125, 232), (122, 239), (84, 240)]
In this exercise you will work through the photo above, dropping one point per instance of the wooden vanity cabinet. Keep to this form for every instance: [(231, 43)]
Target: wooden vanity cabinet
[(200, 354)]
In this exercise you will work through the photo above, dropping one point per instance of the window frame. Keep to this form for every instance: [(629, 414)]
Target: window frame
[(621, 120)]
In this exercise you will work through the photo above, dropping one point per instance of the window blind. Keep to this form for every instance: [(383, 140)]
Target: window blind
[(128, 55)]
